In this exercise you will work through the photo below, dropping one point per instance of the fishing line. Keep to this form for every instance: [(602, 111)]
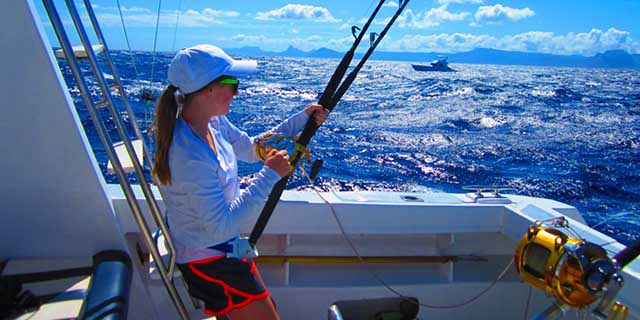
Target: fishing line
[(380, 280), (328, 100), (526, 308), (617, 215)]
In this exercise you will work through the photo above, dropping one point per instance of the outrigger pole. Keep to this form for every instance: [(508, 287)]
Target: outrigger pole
[(330, 97)]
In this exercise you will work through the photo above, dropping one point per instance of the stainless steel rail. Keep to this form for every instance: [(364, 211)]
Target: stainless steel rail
[(153, 205), (166, 275)]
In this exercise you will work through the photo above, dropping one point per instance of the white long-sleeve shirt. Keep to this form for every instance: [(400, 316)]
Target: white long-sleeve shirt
[(204, 203)]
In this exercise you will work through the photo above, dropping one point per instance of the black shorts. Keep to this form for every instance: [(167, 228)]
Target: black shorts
[(223, 284)]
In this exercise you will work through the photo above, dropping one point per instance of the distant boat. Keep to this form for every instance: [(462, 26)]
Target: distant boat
[(440, 64)]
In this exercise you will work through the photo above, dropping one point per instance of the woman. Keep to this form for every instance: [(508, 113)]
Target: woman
[(195, 164)]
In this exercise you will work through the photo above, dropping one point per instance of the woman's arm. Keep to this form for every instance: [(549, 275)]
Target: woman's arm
[(218, 220)]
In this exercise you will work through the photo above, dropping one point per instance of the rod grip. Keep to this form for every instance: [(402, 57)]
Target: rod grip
[(628, 254)]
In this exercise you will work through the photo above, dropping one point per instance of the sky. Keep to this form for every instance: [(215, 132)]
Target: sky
[(564, 27)]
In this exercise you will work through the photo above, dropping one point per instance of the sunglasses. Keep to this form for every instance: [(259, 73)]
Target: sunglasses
[(231, 81)]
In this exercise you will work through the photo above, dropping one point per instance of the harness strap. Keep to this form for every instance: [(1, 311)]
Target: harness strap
[(226, 247)]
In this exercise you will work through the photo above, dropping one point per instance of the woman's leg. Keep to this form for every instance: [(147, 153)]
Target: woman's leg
[(261, 309)]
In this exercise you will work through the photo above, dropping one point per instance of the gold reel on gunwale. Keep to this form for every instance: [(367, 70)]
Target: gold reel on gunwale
[(574, 271)]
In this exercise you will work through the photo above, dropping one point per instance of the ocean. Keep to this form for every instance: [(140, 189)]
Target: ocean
[(568, 134)]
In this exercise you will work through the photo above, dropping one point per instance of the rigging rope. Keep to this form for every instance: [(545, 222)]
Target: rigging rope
[(147, 111), (382, 282), (155, 42), (175, 30), (126, 37)]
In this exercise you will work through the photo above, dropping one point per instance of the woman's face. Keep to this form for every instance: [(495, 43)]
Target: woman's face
[(221, 96)]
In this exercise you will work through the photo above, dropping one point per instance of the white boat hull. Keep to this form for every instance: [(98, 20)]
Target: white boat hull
[(57, 205)]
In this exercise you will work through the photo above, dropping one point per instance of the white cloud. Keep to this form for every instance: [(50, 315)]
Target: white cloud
[(587, 43), (499, 13), (134, 9), (249, 39), (456, 42), (298, 12), (204, 18), (189, 18), (431, 18), (339, 44), (305, 43), (460, 1), (391, 4), (97, 7)]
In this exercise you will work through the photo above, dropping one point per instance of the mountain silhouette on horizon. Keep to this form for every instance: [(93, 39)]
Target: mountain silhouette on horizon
[(607, 59)]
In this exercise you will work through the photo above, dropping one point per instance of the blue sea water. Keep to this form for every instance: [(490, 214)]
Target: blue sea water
[(568, 134)]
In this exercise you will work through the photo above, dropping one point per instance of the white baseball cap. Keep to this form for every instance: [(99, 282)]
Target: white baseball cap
[(194, 67)]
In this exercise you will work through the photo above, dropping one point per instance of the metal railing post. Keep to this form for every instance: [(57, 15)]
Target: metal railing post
[(166, 276), (153, 205)]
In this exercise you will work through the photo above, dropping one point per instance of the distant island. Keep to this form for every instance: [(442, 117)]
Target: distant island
[(608, 59)]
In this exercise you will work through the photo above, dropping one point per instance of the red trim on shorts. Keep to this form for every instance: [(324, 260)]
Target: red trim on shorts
[(227, 288)]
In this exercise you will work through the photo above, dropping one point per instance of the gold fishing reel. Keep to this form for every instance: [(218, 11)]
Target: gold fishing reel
[(574, 271), (278, 141)]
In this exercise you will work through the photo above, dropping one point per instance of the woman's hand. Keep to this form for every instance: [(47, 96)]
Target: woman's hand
[(318, 112), (278, 161)]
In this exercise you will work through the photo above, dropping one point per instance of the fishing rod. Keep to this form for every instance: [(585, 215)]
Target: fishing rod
[(329, 99), (341, 69), (374, 43), (628, 254)]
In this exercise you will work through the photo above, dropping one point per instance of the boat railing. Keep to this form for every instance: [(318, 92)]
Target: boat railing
[(166, 270)]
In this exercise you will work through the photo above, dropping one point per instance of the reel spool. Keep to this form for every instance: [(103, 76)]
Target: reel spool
[(574, 271), (277, 141)]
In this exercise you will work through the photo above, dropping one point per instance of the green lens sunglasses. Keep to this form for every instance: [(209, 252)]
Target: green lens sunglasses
[(231, 81)]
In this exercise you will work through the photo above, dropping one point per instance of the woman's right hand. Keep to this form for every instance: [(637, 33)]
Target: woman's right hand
[(278, 161)]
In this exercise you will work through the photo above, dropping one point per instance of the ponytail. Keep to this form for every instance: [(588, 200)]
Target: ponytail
[(165, 121)]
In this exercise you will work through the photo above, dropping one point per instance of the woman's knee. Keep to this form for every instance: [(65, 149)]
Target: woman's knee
[(261, 309)]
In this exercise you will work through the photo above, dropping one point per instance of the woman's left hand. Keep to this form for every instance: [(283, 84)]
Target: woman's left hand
[(318, 112)]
